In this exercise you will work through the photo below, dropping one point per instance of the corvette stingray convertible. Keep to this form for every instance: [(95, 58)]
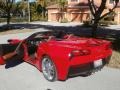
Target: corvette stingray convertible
[(59, 57)]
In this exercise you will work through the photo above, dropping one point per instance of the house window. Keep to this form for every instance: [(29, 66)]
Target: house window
[(111, 1)]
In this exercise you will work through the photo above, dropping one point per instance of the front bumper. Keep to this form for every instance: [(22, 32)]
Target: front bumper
[(88, 67)]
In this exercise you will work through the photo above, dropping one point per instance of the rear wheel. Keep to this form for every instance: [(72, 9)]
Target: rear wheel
[(48, 69)]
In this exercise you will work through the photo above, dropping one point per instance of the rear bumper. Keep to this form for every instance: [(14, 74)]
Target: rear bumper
[(85, 68), (90, 58), (82, 65)]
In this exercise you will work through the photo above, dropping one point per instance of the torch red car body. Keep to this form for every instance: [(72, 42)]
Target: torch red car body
[(61, 58)]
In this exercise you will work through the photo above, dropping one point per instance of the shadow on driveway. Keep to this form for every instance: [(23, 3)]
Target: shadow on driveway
[(13, 63)]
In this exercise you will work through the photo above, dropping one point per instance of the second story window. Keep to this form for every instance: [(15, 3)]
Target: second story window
[(111, 1)]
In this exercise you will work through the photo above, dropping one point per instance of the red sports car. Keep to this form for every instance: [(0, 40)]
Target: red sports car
[(59, 57)]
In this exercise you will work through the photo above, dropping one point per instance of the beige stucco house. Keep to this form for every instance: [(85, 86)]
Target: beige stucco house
[(78, 11)]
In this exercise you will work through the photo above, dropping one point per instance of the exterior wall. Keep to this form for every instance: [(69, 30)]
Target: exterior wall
[(72, 15), (117, 16), (79, 14), (52, 14)]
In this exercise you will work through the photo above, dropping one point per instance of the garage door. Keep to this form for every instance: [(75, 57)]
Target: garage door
[(79, 17)]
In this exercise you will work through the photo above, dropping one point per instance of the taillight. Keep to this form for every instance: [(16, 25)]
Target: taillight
[(82, 52)]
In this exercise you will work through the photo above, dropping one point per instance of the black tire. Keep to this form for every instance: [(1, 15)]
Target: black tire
[(49, 69)]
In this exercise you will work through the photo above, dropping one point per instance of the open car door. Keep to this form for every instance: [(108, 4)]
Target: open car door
[(7, 52)]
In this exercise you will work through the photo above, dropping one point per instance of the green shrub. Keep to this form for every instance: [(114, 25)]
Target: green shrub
[(14, 20), (19, 19)]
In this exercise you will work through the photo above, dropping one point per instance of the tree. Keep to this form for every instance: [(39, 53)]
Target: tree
[(36, 11), (62, 4), (43, 4), (97, 13), (17, 9), (6, 6), (51, 2), (39, 9)]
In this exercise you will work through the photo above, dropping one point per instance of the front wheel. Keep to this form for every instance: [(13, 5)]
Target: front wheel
[(48, 69)]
